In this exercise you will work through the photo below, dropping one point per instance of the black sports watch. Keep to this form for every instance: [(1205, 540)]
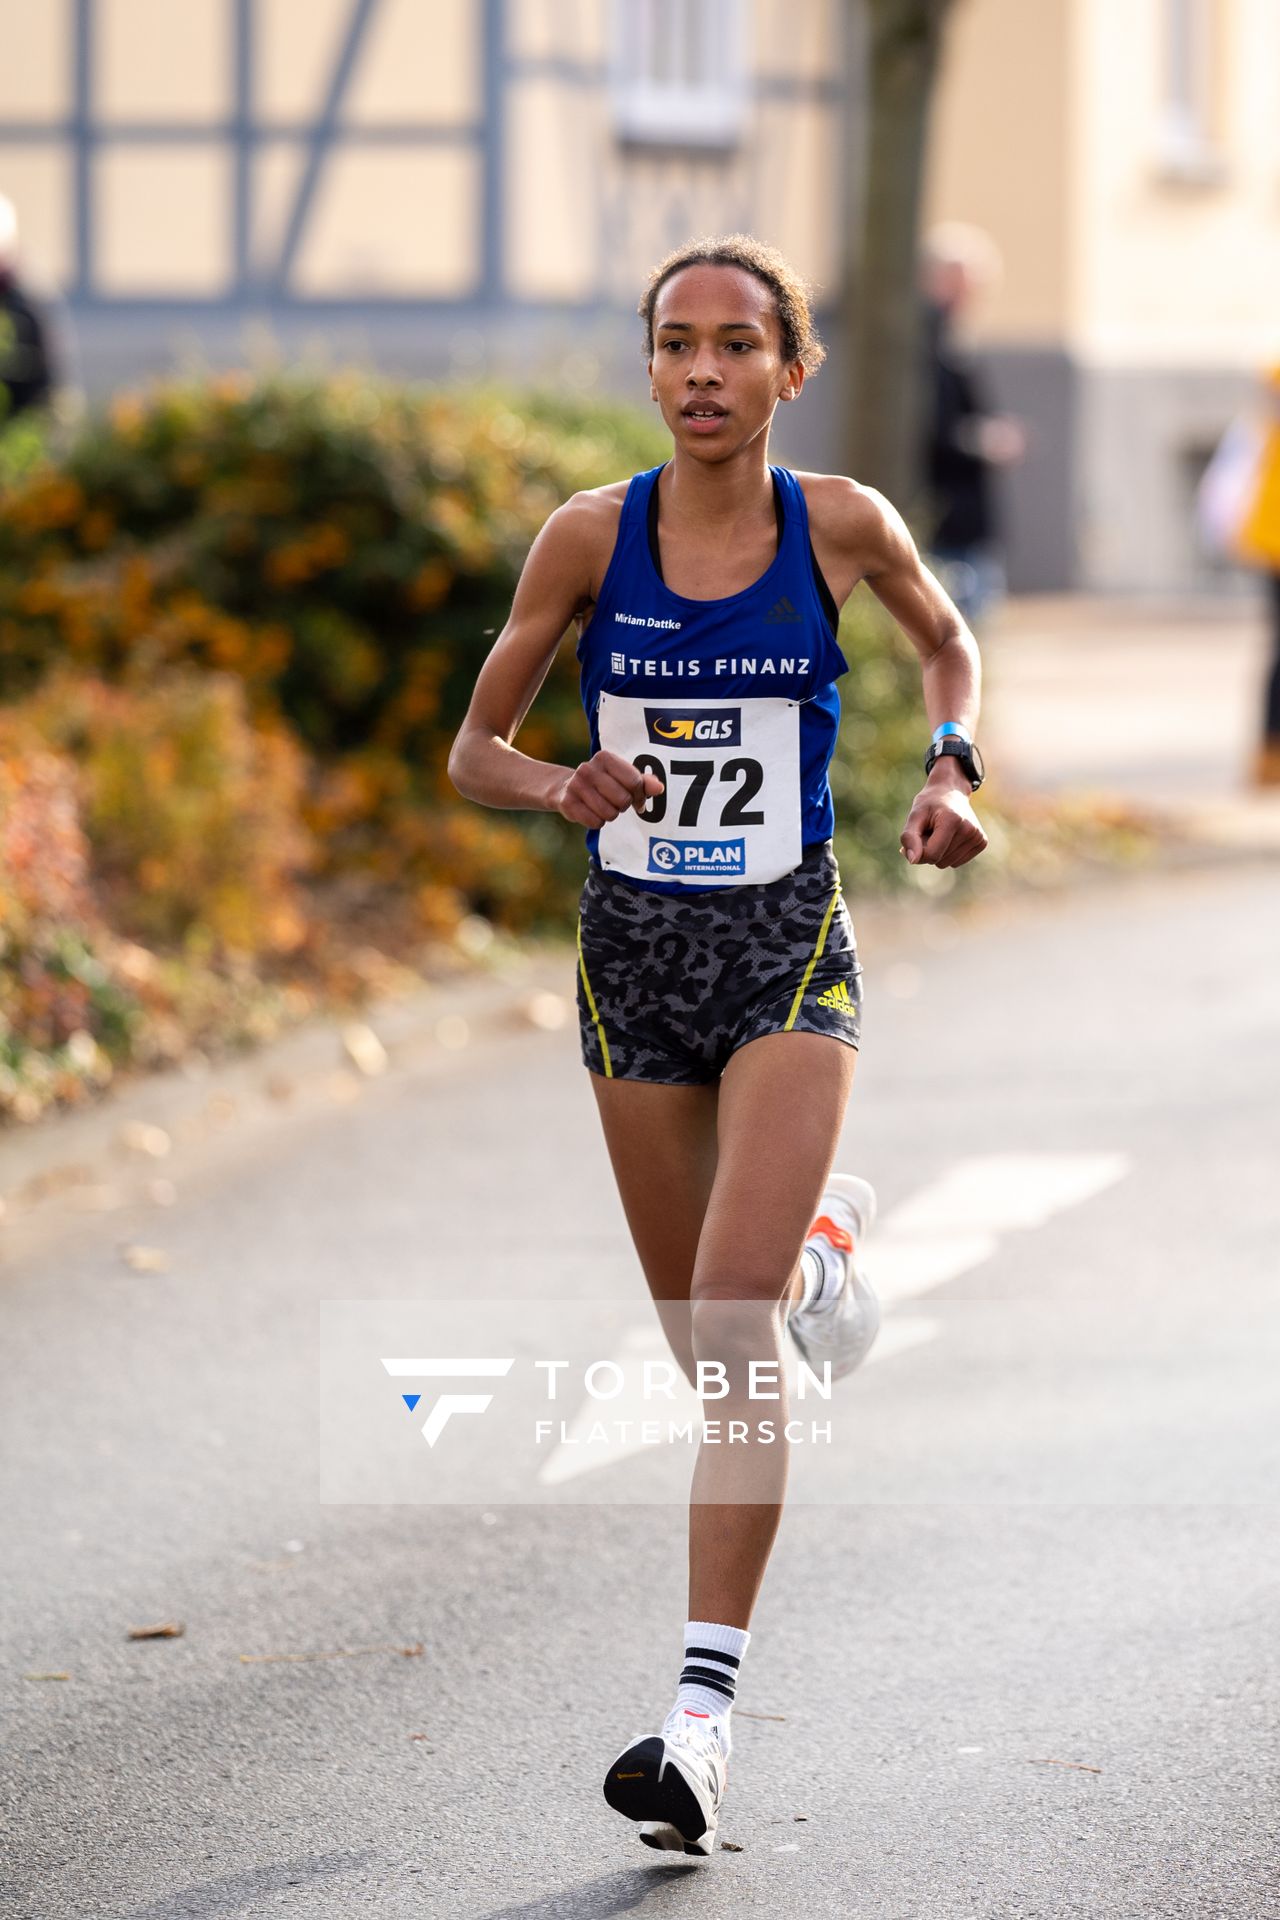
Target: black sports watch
[(964, 751)]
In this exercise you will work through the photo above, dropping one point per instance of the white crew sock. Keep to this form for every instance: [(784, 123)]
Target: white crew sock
[(709, 1677)]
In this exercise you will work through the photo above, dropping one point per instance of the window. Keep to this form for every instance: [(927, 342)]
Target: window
[(679, 71), (1187, 146)]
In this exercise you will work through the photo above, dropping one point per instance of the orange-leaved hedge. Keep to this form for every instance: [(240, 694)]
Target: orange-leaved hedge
[(347, 548), (151, 855)]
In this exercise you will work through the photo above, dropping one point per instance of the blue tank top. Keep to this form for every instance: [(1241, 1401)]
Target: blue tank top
[(772, 640)]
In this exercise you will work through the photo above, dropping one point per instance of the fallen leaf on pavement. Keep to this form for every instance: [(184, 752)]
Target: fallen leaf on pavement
[(546, 1010), (731, 1846), (104, 1199), (145, 1259), (53, 1180), (473, 934), (335, 1653), (363, 1047), (135, 963), (140, 1137), (167, 1630)]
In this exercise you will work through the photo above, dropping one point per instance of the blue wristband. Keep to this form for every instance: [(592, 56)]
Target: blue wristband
[(953, 726)]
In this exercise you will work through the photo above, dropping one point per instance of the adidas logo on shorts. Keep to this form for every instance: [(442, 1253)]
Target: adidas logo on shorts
[(837, 997)]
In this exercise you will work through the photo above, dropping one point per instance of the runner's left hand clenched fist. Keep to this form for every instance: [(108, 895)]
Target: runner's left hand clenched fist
[(942, 829)]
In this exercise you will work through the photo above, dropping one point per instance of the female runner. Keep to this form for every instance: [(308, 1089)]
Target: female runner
[(719, 988)]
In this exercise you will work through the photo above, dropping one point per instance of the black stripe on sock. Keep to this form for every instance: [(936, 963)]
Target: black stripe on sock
[(712, 1653), (703, 1677)]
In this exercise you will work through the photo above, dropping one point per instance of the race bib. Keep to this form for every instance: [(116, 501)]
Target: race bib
[(730, 769)]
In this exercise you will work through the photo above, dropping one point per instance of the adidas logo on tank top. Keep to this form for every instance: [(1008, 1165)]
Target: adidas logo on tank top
[(782, 613)]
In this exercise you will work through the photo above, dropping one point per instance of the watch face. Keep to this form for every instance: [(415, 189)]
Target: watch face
[(965, 752)]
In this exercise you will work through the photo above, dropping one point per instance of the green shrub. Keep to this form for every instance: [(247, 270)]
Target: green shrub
[(61, 1015), (162, 815), (878, 765), (192, 817), (24, 444)]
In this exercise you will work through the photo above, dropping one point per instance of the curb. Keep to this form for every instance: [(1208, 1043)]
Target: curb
[(123, 1149)]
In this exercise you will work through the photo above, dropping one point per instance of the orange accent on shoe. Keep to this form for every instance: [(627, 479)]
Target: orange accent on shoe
[(697, 1714), (825, 1228)]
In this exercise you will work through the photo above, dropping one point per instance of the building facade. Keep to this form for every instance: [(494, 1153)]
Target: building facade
[(452, 188), (1126, 159), (441, 187)]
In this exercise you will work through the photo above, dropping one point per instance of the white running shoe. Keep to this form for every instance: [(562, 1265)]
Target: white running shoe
[(842, 1330), (673, 1783)]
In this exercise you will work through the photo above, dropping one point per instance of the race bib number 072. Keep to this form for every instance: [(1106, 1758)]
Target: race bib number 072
[(729, 811)]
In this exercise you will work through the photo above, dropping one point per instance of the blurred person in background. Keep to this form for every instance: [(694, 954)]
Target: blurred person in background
[(26, 374), (1238, 515), (965, 436), (1258, 543)]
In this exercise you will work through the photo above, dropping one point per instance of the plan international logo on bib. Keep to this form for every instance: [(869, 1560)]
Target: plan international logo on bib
[(690, 859), (687, 727)]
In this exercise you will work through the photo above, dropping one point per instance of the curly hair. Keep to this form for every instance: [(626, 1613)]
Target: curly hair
[(790, 293)]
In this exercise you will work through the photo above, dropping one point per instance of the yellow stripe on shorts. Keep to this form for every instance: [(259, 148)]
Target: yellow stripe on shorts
[(591, 1002), (814, 958)]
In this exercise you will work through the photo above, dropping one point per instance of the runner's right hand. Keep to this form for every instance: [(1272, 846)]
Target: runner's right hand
[(603, 787)]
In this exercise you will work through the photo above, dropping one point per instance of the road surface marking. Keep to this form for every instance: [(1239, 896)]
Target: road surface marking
[(948, 1228)]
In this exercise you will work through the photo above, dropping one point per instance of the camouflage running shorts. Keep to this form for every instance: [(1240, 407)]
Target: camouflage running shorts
[(669, 985)]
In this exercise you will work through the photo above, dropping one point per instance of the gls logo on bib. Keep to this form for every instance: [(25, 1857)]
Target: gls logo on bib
[(670, 725)]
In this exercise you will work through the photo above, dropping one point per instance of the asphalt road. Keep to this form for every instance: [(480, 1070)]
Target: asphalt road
[(1022, 1660)]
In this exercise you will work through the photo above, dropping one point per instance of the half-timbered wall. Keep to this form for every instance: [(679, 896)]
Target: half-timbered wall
[(439, 185)]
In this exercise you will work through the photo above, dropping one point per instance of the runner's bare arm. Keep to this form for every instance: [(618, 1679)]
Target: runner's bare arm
[(941, 829), (555, 586)]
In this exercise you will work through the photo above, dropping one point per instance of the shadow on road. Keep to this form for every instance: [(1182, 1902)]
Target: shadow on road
[(614, 1893), (243, 1892)]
